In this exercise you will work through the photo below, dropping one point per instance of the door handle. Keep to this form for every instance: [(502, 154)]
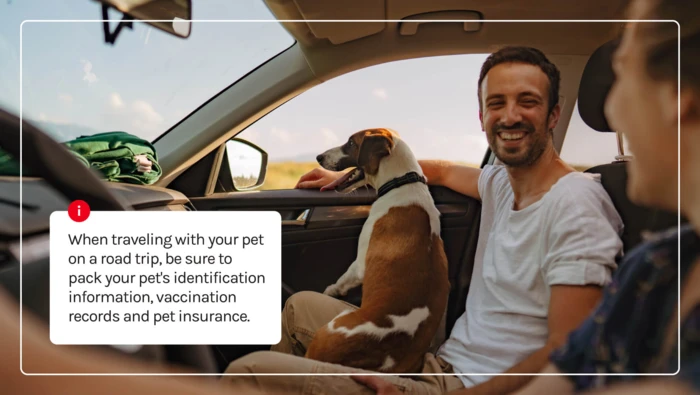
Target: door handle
[(299, 221)]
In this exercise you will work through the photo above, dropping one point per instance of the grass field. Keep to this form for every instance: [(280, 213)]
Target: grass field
[(284, 175)]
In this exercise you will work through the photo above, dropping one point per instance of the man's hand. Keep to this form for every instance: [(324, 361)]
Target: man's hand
[(382, 387), (318, 178)]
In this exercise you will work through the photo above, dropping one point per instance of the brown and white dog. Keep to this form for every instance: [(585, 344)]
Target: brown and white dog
[(400, 263)]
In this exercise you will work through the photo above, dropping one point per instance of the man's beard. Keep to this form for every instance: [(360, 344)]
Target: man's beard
[(532, 152)]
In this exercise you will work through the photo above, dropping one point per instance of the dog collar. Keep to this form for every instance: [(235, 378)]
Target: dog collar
[(408, 178)]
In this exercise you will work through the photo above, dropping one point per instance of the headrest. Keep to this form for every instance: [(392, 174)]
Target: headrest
[(596, 81)]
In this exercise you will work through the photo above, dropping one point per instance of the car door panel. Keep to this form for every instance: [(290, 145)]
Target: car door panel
[(320, 233), (319, 248)]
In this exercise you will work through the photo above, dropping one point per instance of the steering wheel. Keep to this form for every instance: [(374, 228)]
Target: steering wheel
[(59, 168)]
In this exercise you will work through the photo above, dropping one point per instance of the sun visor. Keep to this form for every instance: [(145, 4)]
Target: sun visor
[(596, 81), (342, 32)]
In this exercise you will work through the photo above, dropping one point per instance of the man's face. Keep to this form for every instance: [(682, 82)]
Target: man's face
[(514, 113)]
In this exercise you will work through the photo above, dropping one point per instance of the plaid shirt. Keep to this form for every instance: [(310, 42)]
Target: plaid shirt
[(627, 329)]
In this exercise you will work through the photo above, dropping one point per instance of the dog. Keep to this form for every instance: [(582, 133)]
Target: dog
[(400, 263)]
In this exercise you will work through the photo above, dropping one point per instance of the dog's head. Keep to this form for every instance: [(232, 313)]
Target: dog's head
[(364, 151)]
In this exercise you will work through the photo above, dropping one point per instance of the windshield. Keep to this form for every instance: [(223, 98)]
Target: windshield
[(74, 84)]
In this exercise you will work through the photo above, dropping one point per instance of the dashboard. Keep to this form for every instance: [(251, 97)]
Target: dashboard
[(39, 200)]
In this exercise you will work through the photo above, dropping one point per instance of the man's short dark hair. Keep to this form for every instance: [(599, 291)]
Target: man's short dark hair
[(525, 55)]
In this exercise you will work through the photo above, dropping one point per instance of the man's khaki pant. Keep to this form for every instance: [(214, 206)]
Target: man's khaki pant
[(303, 314)]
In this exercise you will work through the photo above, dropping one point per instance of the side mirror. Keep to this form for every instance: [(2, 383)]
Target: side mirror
[(171, 16), (247, 164)]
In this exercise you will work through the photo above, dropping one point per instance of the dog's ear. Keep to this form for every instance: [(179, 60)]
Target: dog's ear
[(375, 146)]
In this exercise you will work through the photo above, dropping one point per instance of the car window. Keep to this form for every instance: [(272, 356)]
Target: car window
[(431, 102), (584, 147), (75, 84)]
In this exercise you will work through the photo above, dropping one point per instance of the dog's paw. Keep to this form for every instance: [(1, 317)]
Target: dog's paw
[(332, 290)]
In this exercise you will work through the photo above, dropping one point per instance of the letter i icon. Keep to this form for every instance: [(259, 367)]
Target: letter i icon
[(78, 211)]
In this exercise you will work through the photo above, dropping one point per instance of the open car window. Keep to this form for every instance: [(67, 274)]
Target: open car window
[(431, 102), (75, 84), (585, 148)]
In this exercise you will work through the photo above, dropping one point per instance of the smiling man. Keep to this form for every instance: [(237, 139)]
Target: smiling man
[(548, 239)]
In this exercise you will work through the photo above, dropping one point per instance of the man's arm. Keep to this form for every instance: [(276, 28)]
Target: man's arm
[(568, 307), (462, 179)]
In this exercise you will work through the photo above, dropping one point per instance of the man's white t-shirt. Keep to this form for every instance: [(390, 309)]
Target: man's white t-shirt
[(570, 236)]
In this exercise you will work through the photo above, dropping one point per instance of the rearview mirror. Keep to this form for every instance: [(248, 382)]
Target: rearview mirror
[(247, 164), (174, 16)]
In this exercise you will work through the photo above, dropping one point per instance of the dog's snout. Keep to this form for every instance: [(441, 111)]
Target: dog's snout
[(319, 158)]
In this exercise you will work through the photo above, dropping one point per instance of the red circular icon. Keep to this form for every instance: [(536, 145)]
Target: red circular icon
[(78, 211)]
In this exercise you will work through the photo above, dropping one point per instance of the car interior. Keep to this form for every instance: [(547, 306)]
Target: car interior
[(317, 225)]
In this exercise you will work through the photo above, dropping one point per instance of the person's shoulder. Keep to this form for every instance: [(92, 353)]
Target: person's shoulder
[(672, 239), (580, 181), (579, 187), (579, 194), (492, 170), (493, 185), (659, 251), (494, 174)]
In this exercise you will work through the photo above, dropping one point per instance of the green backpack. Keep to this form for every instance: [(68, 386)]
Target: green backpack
[(112, 154)]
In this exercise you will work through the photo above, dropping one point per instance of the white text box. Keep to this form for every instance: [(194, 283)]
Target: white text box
[(226, 288)]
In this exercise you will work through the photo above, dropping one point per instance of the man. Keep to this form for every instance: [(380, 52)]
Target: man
[(548, 242)]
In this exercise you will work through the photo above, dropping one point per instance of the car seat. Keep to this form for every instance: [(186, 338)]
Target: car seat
[(596, 81)]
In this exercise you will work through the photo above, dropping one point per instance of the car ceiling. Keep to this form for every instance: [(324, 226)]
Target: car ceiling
[(369, 41)]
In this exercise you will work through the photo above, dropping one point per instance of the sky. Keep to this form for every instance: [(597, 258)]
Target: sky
[(75, 84)]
